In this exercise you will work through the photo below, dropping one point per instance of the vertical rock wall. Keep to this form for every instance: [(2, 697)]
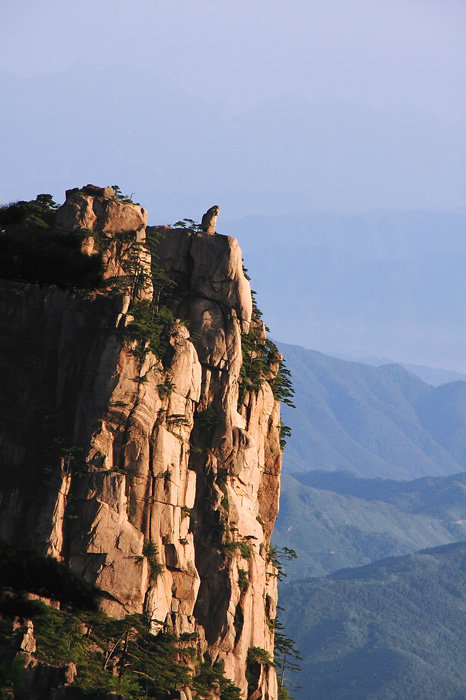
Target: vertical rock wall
[(167, 487)]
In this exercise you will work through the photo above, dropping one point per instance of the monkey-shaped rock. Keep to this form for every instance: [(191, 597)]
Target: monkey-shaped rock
[(209, 220)]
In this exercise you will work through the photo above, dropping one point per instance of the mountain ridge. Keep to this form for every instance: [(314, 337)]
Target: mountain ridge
[(220, 142), (336, 519), (374, 421), (382, 284), (394, 628)]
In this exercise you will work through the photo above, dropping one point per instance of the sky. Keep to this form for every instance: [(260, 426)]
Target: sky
[(315, 112), (379, 52)]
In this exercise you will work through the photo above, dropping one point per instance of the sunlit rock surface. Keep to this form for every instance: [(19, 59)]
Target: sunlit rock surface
[(138, 462)]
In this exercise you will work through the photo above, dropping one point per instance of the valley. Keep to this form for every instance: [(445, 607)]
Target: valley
[(373, 502), (335, 519), (393, 629), (373, 421)]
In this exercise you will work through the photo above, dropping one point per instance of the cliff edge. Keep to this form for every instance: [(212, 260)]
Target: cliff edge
[(140, 431)]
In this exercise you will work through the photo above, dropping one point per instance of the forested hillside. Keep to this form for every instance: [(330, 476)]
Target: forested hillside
[(336, 519), (394, 629), (373, 421)]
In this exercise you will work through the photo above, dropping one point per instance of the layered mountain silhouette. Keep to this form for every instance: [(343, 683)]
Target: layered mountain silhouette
[(335, 519), (383, 283), (361, 435), (393, 629), (122, 124), (373, 421)]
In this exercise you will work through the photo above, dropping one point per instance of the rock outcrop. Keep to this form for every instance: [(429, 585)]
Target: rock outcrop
[(209, 220), (152, 477)]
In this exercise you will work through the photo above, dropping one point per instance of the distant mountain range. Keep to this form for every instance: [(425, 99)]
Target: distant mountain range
[(391, 630), (383, 283), (430, 375), (130, 126), (373, 421), (335, 519), (343, 204)]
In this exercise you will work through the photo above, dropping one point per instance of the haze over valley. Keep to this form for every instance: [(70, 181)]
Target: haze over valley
[(366, 590), (145, 404)]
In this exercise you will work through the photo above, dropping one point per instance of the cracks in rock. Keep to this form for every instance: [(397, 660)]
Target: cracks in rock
[(151, 500), (126, 441), (215, 368), (267, 473), (152, 481)]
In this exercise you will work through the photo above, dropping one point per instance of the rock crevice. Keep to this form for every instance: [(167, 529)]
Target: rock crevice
[(164, 490)]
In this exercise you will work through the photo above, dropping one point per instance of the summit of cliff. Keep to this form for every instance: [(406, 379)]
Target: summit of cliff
[(140, 440)]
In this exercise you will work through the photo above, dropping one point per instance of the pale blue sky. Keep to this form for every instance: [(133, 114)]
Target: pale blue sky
[(276, 111), (368, 51)]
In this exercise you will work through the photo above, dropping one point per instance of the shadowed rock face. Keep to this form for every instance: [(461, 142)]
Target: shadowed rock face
[(99, 457)]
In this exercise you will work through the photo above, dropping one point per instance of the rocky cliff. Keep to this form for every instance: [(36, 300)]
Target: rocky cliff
[(140, 434)]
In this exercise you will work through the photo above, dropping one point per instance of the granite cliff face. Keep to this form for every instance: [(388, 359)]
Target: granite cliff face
[(154, 478)]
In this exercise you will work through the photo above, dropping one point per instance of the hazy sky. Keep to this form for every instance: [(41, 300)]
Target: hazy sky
[(368, 51), (266, 108)]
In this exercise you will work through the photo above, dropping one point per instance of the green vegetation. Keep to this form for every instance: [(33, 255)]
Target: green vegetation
[(286, 654), (230, 548), (282, 386), (118, 655), (188, 224), (176, 420), (167, 475), (238, 621), (221, 481), (258, 655), (286, 659), (154, 319), (165, 388), (120, 197), (150, 552), (285, 433), (110, 655), (256, 658), (211, 677), (277, 556), (373, 421), (130, 253), (32, 215), (392, 629), (262, 362), (32, 253), (243, 580), (207, 421), (259, 353), (245, 549), (122, 656), (150, 329), (335, 519)]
